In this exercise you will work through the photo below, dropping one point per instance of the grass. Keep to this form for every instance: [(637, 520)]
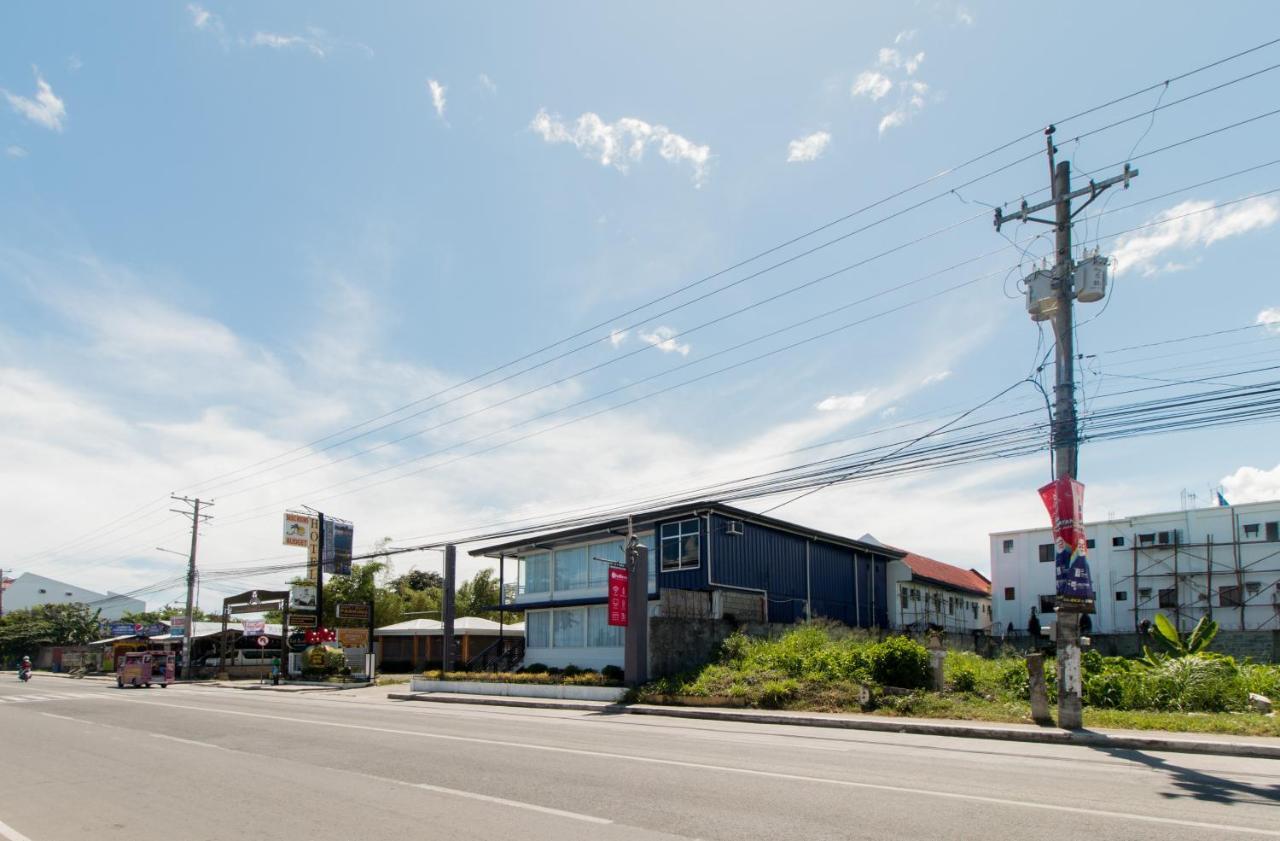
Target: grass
[(585, 678), (820, 668)]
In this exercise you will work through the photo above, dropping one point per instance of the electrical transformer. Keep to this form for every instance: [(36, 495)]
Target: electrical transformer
[(1041, 303), (1091, 278)]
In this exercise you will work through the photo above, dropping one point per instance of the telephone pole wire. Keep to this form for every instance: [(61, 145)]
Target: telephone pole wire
[(196, 519), (1056, 302)]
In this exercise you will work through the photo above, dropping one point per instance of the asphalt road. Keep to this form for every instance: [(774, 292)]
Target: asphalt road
[(81, 759)]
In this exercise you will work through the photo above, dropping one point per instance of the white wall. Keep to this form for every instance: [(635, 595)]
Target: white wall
[(1113, 569), (29, 590)]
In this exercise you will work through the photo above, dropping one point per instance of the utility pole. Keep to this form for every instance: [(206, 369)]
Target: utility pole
[(196, 519), (1056, 304), (448, 606)]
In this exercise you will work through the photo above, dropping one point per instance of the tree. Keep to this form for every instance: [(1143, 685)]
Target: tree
[(477, 596), (22, 631), (1175, 645), (164, 614), (417, 580), (362, 586)]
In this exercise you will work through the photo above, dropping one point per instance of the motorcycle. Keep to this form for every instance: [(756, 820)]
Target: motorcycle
[(24, 675)]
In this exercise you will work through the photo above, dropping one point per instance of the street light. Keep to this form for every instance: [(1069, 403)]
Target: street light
[(172, 551)]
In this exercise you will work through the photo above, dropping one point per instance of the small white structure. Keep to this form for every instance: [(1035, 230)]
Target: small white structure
[(29, 590), (418, 643), (1222, 562)]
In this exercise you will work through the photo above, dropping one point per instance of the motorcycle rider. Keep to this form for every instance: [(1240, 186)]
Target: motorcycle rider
[(24, 668)]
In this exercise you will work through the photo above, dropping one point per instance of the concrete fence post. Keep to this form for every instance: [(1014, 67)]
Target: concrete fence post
[(1039, 691)]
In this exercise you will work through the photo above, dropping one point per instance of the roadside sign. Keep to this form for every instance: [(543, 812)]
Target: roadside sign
[(254, 627), (353, 610), (153, 630), (619, 586), (338, 537), (177, 626), (263, 642), (260, 607), (302, 620), (353, 637), (124, 629), (298, 529), (298, 641), (302, 597)]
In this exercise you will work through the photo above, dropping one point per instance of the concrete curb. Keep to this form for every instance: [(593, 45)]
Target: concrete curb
[(1163, 741)]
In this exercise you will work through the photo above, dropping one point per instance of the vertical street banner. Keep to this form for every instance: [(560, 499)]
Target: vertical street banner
[(338, 538), (618, 592), (1064, 499)]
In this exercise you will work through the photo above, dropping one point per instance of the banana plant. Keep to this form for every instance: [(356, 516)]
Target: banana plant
[(1164, 632)]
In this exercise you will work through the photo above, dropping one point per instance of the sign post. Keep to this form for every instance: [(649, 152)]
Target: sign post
[(618, 596)]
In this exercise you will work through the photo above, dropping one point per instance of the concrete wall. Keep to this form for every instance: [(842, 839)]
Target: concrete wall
[(678, 645), (1259, 646)]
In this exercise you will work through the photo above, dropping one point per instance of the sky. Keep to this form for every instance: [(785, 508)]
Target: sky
[(229, 231)]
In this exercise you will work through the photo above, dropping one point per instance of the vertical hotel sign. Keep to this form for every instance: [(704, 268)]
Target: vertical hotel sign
[(1064, 499), (618, 591), (304, 530)]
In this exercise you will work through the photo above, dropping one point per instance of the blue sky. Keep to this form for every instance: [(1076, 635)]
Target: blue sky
[(227, 230)]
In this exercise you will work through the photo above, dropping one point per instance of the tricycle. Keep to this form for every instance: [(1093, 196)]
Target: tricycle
[(142, 668)]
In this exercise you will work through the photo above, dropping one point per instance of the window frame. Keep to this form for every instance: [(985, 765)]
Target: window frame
[(1122, 595), (1051, 553), (1161, 601), (1117, 542), (1048, 604), (1011, 594), (1006, 546), (680, 537)]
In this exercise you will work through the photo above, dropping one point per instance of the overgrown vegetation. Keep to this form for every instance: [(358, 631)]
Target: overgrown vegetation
[(570, 676), (24, 631), (829, 668)]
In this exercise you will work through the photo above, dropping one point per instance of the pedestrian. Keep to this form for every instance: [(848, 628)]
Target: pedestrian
[(1086, 624), (1033, 625)]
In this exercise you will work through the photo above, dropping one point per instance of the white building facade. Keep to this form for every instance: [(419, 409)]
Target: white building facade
[(29, 590), (1222, 562)]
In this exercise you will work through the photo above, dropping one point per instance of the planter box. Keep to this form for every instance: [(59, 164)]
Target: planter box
[(520, 690)]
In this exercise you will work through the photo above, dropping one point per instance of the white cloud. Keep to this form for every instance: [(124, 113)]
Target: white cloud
[(893, 71), (202, 18), (46, 109), (487, 83), (617, 337), (937, 377), (315, 42), (845, 402), (1252, 484), (1200, 227), (808, 148), (15, 151), (74, 63), (623, 142), (1271, 318), (872, 84), (964, 16), (889, 412), (437, 97), (663, 339)]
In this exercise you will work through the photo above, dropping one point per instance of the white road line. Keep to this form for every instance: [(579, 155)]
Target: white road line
[(515, 804), (728, 769), (69, 718), (11, 834), (186, 741)]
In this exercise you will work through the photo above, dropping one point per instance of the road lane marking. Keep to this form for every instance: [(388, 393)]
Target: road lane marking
[(11, 834), (516, 804), (185, 741), (69, 718), (729, 769)]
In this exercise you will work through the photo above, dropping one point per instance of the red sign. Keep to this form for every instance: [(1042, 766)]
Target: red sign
[(1064, 499), (618, 589)]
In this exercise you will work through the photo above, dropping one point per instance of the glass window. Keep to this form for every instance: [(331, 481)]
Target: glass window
[(680, 545), (535, 573), (571, 568), (1009, 594), (1117, 541), (1007, 546), (1046, 553), (598, 570), (600, 633), (1273, 533), (570, 627), (1169, 597), (1229, 596), (1048, 604), (1122, 596), (537, 628)]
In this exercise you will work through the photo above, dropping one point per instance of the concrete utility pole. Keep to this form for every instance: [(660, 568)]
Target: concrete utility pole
[(636, 652), (196, 519), (1064, 429), (448, 605)]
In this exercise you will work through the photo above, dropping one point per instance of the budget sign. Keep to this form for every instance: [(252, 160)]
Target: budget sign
[(618, 586)]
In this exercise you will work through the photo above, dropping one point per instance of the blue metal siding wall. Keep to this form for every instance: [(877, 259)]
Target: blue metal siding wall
[(831, 577), (759, 559)]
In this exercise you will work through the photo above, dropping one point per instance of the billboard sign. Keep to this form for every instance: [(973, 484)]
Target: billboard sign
[(1064, 499), (353, 637), (254, 627), (124, 629), (302, 620), (302, 597), (178, 626), (619, 586), (337, 547), (353, 610), (298, 528)]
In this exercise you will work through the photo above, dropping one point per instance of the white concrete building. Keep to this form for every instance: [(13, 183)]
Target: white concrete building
[(1222, 562), (29, 590), (926, 593)]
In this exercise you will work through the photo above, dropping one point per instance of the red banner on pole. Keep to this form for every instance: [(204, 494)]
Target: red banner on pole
[(618, 591), (1064, 499)]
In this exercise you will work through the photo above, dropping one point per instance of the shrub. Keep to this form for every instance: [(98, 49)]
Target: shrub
[(776, 693), (571, 671), (535, 669), (900, 661), (613, 673), (964, 679)]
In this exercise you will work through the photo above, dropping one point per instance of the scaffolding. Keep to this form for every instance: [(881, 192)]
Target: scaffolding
[(1186, 579)]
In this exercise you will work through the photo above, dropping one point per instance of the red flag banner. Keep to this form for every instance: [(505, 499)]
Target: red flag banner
[(1064, 499), (618, 590)]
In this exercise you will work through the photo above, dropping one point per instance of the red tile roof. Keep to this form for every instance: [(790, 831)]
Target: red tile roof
[(969, 580)]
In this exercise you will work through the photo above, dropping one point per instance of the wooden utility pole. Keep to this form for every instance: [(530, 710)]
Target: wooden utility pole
[(448, 605), (1064, 429), (196, 518)]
